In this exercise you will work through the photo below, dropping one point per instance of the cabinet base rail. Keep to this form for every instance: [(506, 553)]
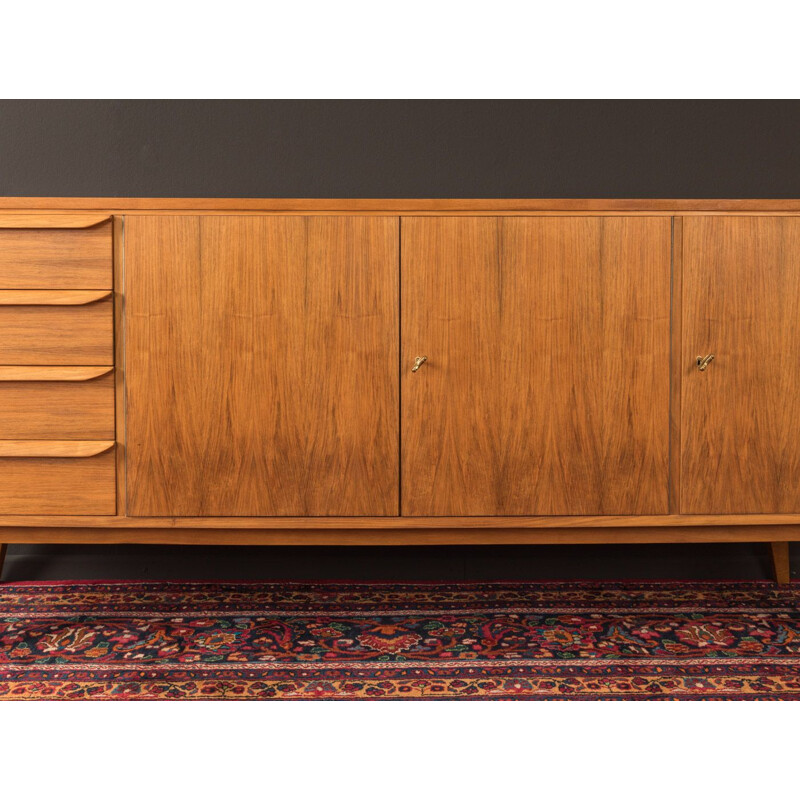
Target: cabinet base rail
[(230, 535)]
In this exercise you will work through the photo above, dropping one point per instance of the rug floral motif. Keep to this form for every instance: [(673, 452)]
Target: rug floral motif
[(580, 640)]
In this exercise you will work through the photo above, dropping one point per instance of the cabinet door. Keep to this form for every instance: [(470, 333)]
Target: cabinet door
[(546, 389), (740, 449), (261, 365)]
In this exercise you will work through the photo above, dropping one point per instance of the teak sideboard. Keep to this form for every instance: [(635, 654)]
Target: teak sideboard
[(219, 371)]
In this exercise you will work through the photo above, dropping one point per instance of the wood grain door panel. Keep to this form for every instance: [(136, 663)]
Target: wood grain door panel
[(261, 364), (740, 448), (546, 389)]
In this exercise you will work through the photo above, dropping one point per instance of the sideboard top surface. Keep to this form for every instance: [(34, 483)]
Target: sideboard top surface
[(397, 206)]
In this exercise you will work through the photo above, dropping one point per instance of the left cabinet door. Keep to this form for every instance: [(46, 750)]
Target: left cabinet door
[(262, 365)]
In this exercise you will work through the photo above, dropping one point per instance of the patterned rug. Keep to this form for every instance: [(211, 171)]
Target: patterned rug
[(144, 641)]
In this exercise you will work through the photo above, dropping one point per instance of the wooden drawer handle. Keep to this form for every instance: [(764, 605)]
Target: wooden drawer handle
[(39, 297), (52, 373), (52, 220), (12, 448)]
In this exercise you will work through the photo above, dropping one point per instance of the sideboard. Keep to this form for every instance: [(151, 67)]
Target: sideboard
[(222, 371)]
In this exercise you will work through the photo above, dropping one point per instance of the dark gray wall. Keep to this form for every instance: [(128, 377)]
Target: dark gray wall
[(311, 148)]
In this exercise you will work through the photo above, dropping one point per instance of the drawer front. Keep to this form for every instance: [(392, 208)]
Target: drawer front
[(52, 334), (83, 484), (56, 403), (56, 258)]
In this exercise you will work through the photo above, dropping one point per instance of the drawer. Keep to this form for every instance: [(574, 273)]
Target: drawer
[(50, 328), (59, 258), (56, 403), (57, 477)]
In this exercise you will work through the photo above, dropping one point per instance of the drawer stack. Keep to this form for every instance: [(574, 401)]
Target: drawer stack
[(56, 368)]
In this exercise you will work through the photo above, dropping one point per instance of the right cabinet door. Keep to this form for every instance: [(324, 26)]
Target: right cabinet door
[(740, 415), (546, 385)]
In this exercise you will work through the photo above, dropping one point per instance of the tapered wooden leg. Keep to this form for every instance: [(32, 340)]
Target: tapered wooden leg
[(3, 549), (780, 561)]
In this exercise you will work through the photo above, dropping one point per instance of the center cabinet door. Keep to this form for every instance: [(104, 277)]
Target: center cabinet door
[(546, 386), (261, 365)]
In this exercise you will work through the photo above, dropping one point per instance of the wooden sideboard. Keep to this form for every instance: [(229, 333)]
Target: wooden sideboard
[(400, 371)]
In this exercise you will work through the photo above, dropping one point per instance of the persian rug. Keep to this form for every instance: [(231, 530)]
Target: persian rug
[(586, 641)]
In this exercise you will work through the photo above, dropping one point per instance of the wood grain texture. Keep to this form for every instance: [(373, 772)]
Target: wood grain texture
[(396, 205), (58, 485), (781, 563), (79, 335), (706, 526), (366, 537), (28, 448), (677, 521), (676, 373), (118, 233), (50, 298), (740, 447), (547, 385), (63, 220), (56, 258), (52, 373), (262, 366), (43, 404)]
